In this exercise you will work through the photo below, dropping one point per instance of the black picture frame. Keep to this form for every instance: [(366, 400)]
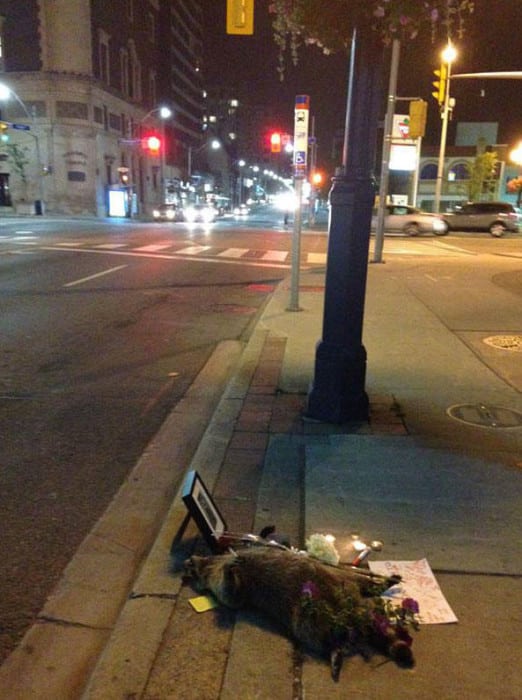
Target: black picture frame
[(203, 510)]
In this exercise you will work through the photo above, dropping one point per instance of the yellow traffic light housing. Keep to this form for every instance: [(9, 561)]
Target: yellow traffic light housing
[(4, 136), (440, 85), (240, 16), (418, 114)]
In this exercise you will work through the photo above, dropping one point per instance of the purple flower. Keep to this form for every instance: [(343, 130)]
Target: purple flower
[(310, 590), (410, 605)]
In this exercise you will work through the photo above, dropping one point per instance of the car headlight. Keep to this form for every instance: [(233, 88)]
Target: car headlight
[(439, 225), (155, 213)]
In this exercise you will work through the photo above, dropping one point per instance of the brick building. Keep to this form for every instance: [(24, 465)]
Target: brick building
[(88, 77)]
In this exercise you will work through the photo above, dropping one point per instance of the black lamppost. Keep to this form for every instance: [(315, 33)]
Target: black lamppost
[(338, 391)]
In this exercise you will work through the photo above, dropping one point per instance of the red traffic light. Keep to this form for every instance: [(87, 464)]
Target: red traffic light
[(275, 142), (152, 144)]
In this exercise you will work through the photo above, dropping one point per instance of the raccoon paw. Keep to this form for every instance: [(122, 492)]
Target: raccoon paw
[(402, 654)]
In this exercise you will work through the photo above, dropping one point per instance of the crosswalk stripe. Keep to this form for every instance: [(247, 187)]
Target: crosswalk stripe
[(316, 258), (193, 250), (111, 246), (275, 255), (232, 253), (154, 247)]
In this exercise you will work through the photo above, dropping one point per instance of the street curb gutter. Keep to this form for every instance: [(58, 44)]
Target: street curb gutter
[(58, 653), (123, 668)]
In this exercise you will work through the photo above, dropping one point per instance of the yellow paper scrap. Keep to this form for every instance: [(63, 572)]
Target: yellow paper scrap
[(203, 603)]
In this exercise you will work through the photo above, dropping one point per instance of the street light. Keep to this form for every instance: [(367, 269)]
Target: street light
[(214, 144), (5, 94), (448, 56), (164, 114)]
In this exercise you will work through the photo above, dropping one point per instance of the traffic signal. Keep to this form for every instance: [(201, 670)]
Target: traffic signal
[(418, 114), (152, 144), (275, 142), (240, 16), (4, 136), (440, 85)]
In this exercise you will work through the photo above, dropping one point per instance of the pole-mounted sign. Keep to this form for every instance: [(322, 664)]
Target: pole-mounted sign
[(301, 118), (302, 110)]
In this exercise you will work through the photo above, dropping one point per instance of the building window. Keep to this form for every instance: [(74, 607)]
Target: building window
[(152, 88), (428, 171), (2, 58), (124, 70), (135, 73), (152, 28), (458, 171), (72, 110), (103, 57)]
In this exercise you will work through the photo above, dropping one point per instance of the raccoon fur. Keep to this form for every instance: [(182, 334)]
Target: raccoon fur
[(271, 580)]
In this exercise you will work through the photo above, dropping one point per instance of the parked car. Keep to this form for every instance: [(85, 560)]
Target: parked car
[(167, 212), (204, 213), (495, 217), (241, 210), (411, 221)]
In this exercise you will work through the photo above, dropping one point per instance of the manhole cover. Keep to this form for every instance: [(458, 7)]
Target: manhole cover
[(486, 416), (505, 342)]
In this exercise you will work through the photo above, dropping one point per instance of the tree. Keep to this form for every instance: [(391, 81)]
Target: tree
[(364, 28), (329, 23), (515, 186), (482, 180), (18, 157)]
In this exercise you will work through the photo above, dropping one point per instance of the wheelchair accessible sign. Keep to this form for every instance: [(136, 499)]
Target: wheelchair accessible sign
[(301, 118)]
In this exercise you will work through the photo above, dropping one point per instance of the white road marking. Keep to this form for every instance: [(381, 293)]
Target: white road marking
[(232, 252), (92, 277), (316, 258), (275, 255), (111, 246), (193, 250), (154, 247), (171, 256)]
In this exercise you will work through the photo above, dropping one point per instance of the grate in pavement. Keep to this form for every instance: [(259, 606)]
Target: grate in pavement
[(486, 416), (505, 342)]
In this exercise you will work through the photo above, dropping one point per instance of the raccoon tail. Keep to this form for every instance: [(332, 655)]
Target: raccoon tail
[(336, 663)]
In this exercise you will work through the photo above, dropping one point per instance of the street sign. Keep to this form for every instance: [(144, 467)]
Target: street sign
[(21, 127), (301, 113)]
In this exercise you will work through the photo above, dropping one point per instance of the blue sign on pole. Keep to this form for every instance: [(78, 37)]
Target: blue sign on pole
[(21, 127)]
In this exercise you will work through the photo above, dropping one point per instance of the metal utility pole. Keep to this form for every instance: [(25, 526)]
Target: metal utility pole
[(338, 390), (448, 56), (386, 150)]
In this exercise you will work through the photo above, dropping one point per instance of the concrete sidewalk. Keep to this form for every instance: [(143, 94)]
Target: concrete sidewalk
[(408, 477)]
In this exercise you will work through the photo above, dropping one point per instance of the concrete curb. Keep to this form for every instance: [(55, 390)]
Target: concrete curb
[(58, 653), (123, 668)]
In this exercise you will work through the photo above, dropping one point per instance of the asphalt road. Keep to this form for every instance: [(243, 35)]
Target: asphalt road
[(104, 325), (102, 330)]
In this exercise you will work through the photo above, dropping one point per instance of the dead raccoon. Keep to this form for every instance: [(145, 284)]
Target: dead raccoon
[(282, 584)]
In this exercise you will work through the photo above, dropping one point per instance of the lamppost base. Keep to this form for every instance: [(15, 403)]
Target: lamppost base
[(337, 393)]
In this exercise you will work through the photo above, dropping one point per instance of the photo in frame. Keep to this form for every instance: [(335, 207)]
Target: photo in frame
[(203, 510)]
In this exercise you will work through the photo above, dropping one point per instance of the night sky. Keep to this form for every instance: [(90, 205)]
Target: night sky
[(492, 42)]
